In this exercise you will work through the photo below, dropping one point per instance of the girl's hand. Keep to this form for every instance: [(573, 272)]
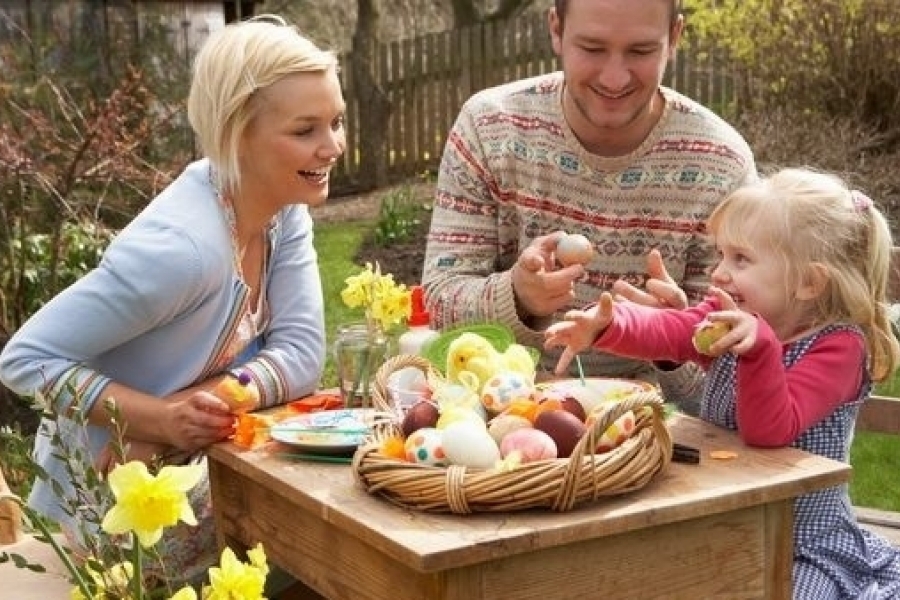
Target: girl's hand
[(743, 326), (579, 329)]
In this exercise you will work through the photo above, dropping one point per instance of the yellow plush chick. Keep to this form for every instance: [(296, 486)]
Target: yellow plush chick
[(472, 354)]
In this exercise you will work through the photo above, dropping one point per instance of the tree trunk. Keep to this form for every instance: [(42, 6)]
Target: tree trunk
[(374, 105)]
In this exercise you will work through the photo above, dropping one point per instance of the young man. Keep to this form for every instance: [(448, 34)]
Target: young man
[(601, 149)]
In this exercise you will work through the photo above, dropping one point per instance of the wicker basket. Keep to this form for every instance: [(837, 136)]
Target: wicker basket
[(559, 484)]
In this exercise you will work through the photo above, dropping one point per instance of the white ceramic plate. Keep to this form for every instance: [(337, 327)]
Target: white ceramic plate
[(333, 432), (595, 390)]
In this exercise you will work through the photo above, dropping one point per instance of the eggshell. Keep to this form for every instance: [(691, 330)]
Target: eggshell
[(422, 414), (502, 425), (532, 444), (574, 248), (564, 427), (503, 388), (425, 447), (468, 444)]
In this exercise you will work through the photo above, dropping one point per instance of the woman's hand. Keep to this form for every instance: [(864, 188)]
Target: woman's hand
[(661, 290), (196, 419), (579, 329)]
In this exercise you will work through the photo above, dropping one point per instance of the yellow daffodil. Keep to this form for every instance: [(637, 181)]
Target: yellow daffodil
[(146, 504), (385, 301), (185, 593), (234, 580)]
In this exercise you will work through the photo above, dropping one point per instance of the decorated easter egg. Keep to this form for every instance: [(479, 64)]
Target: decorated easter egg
[(425, 447), (708, 333), (468, 444), (532, 444), (503, 388), (502, 425), (616, 434)]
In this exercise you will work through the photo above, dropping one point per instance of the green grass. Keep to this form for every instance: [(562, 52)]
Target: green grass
[(876, 460), (336, 244)]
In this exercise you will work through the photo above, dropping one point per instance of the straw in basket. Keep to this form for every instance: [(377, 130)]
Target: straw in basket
[(559, 484)]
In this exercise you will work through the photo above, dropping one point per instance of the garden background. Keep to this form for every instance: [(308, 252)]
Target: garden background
[(92, 126)]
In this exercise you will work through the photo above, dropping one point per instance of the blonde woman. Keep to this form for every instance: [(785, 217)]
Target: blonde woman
[(217, 274)]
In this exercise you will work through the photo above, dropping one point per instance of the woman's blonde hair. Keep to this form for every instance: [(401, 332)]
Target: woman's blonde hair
[(814, 221), (232, 66)]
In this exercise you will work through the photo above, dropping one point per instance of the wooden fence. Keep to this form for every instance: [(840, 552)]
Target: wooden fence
[(427, 79)]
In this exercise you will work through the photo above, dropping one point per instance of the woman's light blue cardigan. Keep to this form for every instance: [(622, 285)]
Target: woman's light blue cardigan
[(158, 313)]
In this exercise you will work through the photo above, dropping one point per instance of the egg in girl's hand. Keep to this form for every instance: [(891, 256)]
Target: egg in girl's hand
[(468, 444), (425, 447), (532, 444), (574, 248)]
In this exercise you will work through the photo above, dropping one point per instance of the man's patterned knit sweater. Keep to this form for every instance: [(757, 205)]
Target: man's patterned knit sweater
[(513, 170)]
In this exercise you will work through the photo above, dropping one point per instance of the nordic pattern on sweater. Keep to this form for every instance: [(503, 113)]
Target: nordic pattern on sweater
[(513, 170)]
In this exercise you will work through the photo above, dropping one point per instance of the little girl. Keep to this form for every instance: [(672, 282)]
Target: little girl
[(801, 279)]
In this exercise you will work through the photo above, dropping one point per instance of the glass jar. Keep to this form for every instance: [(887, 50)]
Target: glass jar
[(359, 351)]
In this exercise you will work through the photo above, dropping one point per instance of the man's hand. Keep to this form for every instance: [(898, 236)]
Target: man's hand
[(540, 288), (661, 290), (578, 330)]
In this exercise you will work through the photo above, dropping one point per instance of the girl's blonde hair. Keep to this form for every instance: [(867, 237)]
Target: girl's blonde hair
[(811, 218), (232, 66)]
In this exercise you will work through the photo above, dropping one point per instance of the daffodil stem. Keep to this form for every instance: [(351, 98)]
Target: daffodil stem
[(137, 560), (62, 554)]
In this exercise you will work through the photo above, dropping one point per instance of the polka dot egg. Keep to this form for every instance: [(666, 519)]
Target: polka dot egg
[(503, 388), (425, 447)]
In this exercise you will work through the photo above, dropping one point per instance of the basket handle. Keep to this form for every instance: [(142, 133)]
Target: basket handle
[(381, 398)]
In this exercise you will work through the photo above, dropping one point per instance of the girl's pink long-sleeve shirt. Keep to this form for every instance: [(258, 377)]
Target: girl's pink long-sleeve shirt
[(775, 405)]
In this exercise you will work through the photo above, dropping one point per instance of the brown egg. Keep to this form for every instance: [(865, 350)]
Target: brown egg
[(421, 414), (574, 248), (572, 405), (564, 427)]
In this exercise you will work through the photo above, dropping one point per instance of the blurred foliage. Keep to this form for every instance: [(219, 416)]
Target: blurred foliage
[(835, 58), (399, 217), (89, 132)]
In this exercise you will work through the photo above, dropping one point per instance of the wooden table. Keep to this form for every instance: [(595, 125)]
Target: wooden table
[(721, 529)]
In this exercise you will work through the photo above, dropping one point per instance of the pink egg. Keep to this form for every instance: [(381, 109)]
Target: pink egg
[(532, 444)]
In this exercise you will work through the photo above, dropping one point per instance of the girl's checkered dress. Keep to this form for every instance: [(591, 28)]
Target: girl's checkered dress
[(833, 556)]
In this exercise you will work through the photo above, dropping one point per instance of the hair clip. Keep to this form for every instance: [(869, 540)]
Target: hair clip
[(860, 201)]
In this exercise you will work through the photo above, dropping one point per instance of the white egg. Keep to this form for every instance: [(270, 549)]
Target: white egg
[(469, 444)]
